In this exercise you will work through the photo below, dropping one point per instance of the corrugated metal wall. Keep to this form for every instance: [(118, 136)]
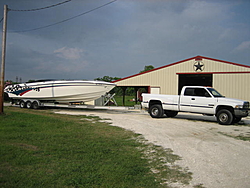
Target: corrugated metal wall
[(234, 85)]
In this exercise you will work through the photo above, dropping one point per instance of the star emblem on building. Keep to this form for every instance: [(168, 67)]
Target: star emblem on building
[(198, 66)]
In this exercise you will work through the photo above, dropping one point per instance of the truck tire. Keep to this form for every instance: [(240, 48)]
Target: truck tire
[(225, 117), (237, 119), (156, 111), (22, 104), (170, 113)]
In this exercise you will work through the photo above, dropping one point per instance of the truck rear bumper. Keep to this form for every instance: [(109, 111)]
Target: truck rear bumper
[(240, 112), (144, 105)]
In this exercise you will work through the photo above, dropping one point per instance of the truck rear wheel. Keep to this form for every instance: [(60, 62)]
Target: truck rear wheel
[(170, 113), (225, 117), (156, 111)]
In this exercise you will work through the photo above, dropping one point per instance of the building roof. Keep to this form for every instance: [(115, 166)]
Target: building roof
[(197, 58)]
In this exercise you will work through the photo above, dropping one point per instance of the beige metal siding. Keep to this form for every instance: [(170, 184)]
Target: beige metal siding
[(215, 66), (155, 90), (235, 85)]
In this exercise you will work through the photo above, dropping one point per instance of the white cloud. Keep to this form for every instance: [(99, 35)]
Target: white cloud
[(243, 46), (69, 53), (72, 67)]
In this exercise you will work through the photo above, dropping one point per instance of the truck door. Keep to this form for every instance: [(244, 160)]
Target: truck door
[(185, 100), (202, 102), (197, 100)]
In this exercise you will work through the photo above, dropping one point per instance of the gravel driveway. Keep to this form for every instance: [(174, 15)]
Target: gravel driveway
[(216, 160)]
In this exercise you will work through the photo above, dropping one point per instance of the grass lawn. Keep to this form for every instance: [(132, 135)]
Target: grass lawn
[(128, 100), (42, 149)]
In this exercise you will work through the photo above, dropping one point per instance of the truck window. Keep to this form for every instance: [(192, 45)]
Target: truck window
[(199, 92), (214, 92), (189, 92)]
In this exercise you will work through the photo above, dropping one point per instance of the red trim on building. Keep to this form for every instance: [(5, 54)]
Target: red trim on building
[(149, 89), (196, 58), (213, 72), (225, 62)]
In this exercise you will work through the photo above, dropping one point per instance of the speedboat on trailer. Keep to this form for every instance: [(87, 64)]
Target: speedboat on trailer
[(59, 91)]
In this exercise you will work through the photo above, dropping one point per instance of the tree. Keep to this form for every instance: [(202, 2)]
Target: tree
[(147, 68), (116, 90), (107, 79)]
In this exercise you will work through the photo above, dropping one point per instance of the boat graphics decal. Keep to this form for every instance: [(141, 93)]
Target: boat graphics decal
[(20, 90)]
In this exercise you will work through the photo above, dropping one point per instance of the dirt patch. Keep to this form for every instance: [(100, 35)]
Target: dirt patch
[(26, 146), (216, 160)]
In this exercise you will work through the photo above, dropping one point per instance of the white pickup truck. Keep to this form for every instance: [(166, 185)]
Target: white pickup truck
[(196, 99)]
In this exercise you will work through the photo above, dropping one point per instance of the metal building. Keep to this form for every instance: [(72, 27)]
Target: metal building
[(230, 79)]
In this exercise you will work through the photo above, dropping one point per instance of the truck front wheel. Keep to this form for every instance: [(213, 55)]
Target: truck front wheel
[(237, 119), (225, 117), (156, 111)]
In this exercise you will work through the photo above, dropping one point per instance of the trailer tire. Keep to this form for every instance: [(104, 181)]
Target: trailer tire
[(225, 117), (35, 105), (22, 104), (156, 111), (29, 104)]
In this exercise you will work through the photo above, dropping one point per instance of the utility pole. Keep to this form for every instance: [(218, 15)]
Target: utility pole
[(3, 58)]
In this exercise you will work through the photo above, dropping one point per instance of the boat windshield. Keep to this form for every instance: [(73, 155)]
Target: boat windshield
[(214, 92), (44, 80)]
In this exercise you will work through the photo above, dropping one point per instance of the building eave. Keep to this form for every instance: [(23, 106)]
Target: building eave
[(198, 57)]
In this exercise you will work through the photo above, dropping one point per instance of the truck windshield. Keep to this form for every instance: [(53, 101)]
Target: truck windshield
[(214, 92)]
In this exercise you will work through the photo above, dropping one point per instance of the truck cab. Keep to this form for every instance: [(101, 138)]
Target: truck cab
[(197, 99)]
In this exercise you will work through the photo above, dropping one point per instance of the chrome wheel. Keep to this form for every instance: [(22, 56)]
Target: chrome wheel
[(223, 117), (29, 104), (22, 104), (155, 111)]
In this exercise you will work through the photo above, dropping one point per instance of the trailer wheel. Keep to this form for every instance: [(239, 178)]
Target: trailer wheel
[(29, 104), (35, 105), (22, 104), (156, 111), (170, 113), (225, 117)]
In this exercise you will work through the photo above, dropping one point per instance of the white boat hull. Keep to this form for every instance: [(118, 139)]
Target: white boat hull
[(60, 91)]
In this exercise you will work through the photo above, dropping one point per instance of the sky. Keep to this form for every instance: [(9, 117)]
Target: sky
[(120, 38)]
